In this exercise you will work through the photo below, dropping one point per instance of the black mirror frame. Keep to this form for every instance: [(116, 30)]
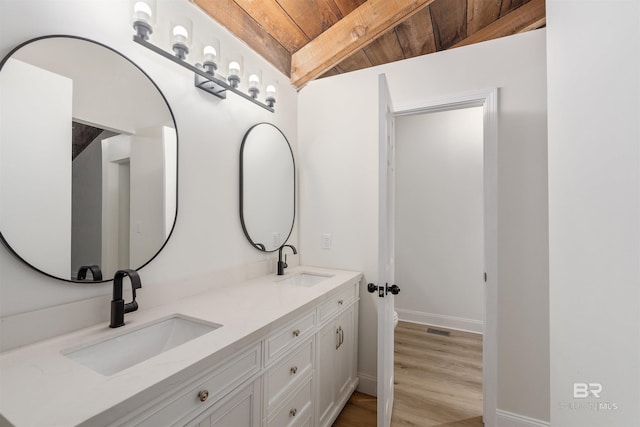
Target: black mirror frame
[(260, 246)]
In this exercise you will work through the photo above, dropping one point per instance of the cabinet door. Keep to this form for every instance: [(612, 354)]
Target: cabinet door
[(326, 397), (241, 409), (344, 366)]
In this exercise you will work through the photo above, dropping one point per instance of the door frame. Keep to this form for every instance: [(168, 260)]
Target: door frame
[(488, 100)]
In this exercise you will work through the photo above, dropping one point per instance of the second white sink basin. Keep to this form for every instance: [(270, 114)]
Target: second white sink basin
[(118, 353), (305, 279)]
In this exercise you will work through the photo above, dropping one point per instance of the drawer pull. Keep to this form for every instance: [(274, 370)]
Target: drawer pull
[(340, 302), (296, 332), (203, 395), (293, 412), (294, 370)]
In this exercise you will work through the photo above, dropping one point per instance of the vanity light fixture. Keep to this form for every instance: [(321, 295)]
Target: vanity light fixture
[(205, 73)]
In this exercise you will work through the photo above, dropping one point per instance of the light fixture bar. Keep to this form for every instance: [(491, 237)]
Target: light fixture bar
[(203, 80)]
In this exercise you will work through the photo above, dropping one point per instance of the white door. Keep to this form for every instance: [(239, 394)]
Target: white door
[(385, 253)]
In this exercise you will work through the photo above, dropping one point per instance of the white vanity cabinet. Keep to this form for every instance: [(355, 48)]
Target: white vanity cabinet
[(337, 357), (285, 356), (241, 409), (289, 362), (229, 392)]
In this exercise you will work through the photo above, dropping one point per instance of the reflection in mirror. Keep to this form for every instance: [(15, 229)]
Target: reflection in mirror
[(88, 160), (267, 187)]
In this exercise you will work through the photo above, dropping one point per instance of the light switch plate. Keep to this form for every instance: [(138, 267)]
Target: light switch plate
[(326, 241)]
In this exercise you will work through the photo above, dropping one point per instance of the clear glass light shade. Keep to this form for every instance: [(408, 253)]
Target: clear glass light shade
[(234, 68)]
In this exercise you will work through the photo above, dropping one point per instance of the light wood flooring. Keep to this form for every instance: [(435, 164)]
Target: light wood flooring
[(438, 382)]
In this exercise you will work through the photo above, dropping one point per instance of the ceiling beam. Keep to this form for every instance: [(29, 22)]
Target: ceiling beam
[(353, 32), (238, 22), (530, 16)]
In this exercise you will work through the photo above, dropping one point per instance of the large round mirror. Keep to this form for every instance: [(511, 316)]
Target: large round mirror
[(88, 160), (267, 187)]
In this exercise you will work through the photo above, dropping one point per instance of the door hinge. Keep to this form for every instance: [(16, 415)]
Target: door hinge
[(485, 277)]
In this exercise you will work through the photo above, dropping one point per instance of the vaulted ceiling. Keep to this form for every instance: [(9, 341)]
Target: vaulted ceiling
[(309, 39)]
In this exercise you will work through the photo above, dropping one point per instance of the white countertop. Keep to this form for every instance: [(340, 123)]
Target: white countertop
[(40, 386)]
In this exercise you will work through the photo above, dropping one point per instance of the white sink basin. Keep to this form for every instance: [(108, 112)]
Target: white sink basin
[(305, 279), (118, 353)]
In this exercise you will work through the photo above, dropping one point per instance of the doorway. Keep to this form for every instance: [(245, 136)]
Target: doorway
[(488, 101), (439, 247), (439, 263)]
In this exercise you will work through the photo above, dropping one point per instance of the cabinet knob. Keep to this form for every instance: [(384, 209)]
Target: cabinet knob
[(340, 302), (203, 395), (296, 332), (293, 412), (294, 370)]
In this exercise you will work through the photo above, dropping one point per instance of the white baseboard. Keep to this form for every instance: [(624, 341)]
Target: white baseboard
[(449, 322), (368, 384), (509, 419)]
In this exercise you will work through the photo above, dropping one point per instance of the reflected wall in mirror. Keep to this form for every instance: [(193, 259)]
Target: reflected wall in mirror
[(88, 160), (267, 187)]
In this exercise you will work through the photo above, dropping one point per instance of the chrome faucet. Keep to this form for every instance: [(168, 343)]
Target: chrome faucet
[(118, 306), (283, 264)]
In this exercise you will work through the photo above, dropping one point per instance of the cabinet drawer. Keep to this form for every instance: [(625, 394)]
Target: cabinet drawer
[(296, 411), (286, 374), (288, 336), (337, 302), (200, 395), (241, 409)]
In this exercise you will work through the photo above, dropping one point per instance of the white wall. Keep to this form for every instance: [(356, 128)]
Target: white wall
[(147, 199), (439, 218), (594, 210), (98, 101), (339, 150), (41, 163), (208, 237)]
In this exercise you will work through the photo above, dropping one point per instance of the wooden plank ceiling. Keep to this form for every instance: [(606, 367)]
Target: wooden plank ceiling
[(309, 39)]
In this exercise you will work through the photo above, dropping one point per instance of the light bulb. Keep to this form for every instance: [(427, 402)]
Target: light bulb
[(180, 37), (234, 68), (209, 61), (180, 34), (271, 95), (209, 53), (254, 81), (142, 11), (234, 71), (142, 20)]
